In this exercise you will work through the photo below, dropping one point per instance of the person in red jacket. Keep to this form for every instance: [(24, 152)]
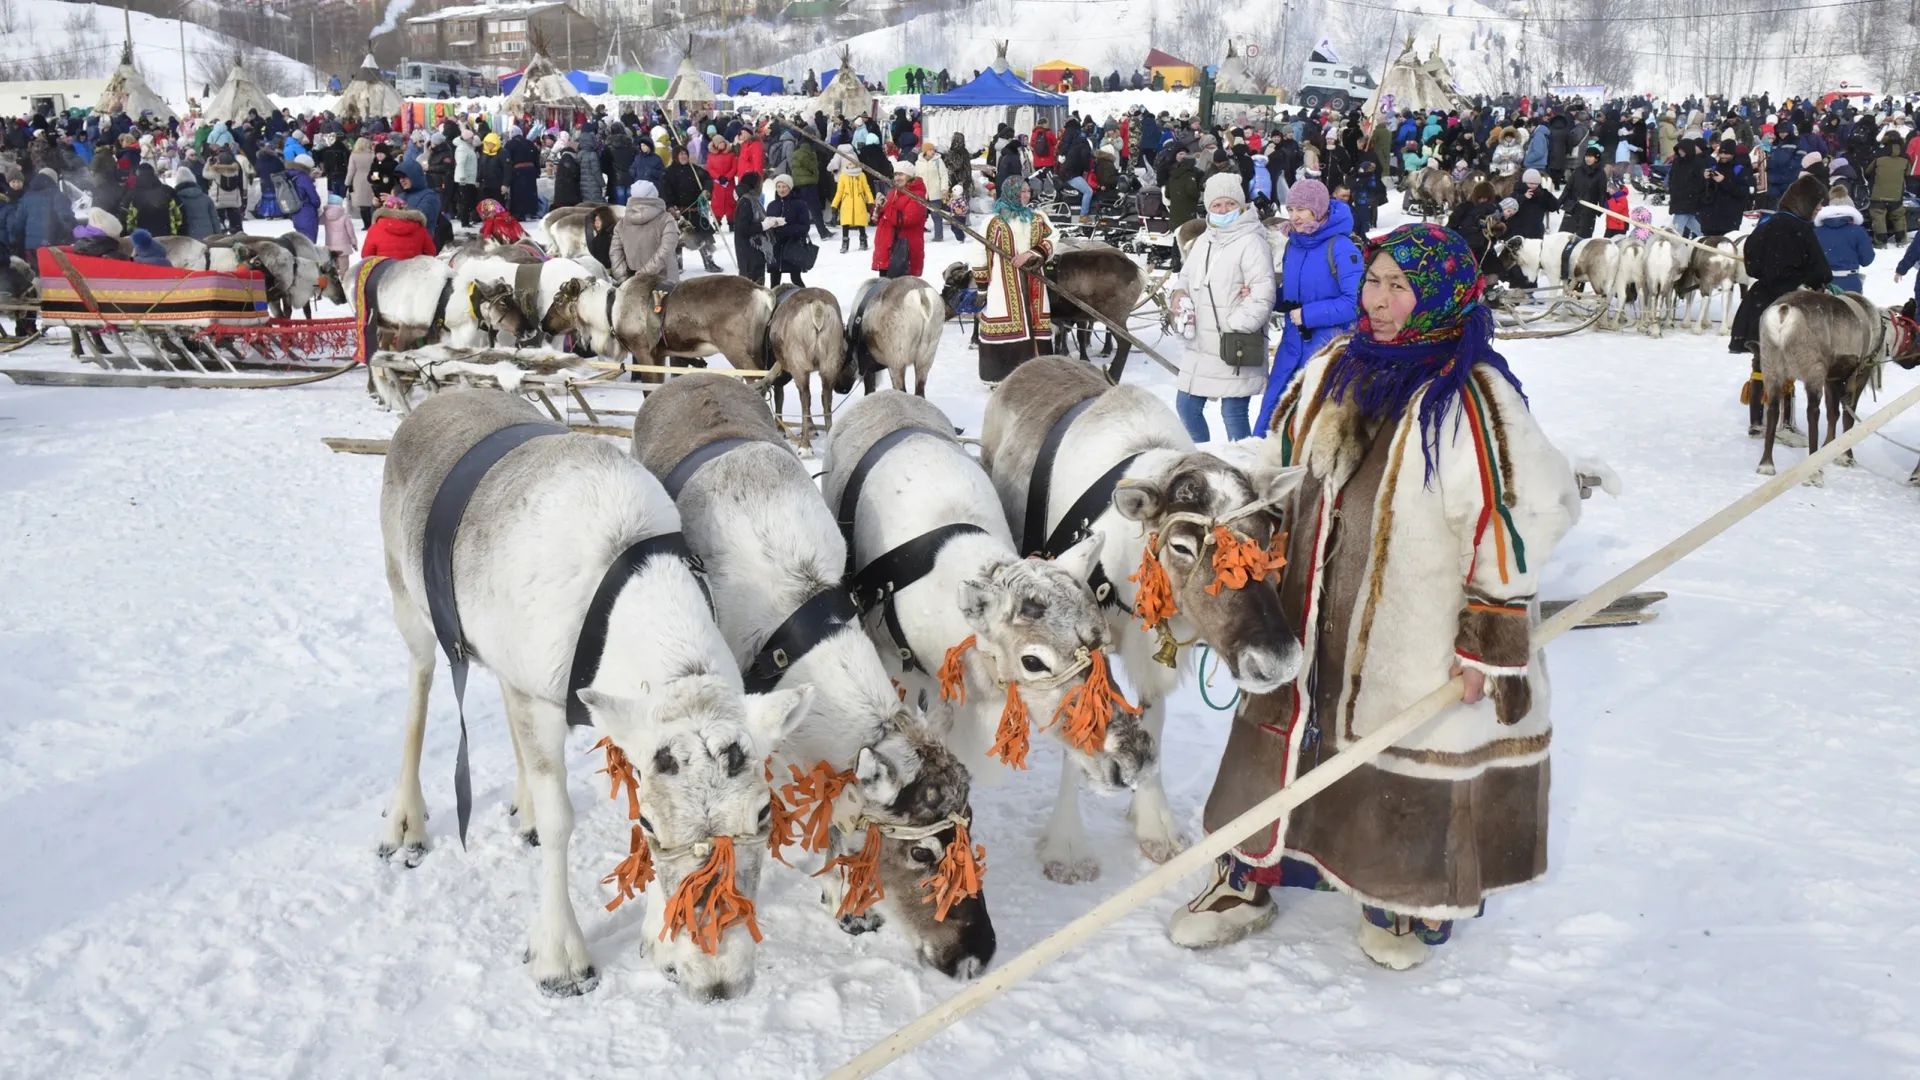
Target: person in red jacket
[(397, 232), (1044, 144), (903, 217), (497, 224)]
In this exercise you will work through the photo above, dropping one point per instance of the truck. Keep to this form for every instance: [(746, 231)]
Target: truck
[(1325, 82), (435, 79)]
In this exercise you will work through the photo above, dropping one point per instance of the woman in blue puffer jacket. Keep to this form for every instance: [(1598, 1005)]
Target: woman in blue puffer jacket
[(1319, 286)]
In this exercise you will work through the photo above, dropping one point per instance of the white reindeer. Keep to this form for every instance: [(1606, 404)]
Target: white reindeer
[(539, 534), (755, 518), (1663, 263)]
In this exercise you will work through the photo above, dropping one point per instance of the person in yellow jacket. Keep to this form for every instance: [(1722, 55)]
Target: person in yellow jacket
[(852, 197)]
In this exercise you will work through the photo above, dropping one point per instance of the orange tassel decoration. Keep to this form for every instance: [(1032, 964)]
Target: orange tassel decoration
[(953, 672), (708, 901), (620, 771), (1088, 708), (1154, 601), (1010, 739), (634, 872), (863, 876), (959, 874), (1237, 562), (783, 825), (812, 794)]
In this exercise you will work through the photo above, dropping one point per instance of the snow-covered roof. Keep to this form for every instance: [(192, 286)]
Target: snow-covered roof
[(486, 11)]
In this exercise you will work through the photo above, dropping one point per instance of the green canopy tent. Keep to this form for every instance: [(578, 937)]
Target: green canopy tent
[(639, 84), (897, 78)]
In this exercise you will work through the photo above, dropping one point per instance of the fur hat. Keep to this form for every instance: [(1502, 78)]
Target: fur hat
[(101, 218), (1226, 185), (1811, 159), (1308, 195), (1531, 176), (303, 161)]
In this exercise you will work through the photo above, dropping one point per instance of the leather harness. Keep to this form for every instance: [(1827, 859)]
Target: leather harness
[(443, 522), (780, 296), (820, 617), (1077, 523), (857, 349), (876, 584), (1566, 261)]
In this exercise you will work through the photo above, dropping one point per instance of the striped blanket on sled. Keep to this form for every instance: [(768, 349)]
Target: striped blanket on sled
[(101, 291)]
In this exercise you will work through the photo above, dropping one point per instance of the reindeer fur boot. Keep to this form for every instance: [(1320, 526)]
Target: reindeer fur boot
[(1228, 909), (1400, 941)]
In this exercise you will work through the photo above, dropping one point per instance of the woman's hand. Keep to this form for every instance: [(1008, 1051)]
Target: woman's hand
[(1294, 315), (1475, 679)]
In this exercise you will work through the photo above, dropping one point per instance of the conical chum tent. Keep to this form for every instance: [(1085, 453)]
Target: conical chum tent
[(1413, 84), (237, 96), (128, 93), (368, 94), (846, 95), (689, 88), (542, 85)]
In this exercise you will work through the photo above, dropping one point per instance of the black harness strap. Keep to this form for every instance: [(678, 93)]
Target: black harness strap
[(876, 583), (850, 495), (810, 624), (683, 472), (857, 349), (443, 521), (1040, 491), (780, 295), (1566, 261), (439, 322), (593, 631)]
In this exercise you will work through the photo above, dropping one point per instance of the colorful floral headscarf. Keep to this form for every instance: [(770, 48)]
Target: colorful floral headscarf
[(1448, 334), (1008, 207), (1642, 218)]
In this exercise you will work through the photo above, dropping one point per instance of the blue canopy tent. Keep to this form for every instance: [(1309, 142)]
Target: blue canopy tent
[(977, 109), (755, 82), (591, 82), (511, 79)]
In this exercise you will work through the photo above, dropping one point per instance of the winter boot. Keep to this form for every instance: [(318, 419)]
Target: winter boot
[(706, 261), (1398, 945), (844, 241), (1228, 909), (863, 239)]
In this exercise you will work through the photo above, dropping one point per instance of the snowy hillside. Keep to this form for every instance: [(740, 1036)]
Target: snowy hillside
[(48, 39)]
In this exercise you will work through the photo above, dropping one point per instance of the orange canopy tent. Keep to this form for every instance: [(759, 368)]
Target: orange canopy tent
[(1052, 72)]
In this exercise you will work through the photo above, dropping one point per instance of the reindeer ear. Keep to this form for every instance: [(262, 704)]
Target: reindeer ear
[(879, 784), (772, 717), (628, 721), (1080, 559), (1273, 483), (1139, 500), (976, 601)]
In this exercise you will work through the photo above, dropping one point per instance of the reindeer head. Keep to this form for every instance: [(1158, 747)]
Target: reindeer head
[(563, 314), (954, 280), (698, 748), (915, 789), (497, 313), (1179, 510), (1040, 628)]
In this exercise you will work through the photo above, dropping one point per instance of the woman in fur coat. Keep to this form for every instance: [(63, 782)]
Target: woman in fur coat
[(1429, 501)]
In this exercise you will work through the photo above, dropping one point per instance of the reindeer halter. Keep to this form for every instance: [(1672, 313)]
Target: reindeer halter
[(1238, 561), (1084, 712), (708, 900)]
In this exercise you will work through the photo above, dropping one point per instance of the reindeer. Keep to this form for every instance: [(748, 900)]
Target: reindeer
[(755, 519), (1663, 264), (293, 280), (899, 330), (719, 313), (807, 339), (1827, 343), (530, 552), (1429, 191), (1629, 283), (1711, 273), (405, 299), (544, 293), (570, 229), (1565, 260), (1169, 493), (1106, 279), (1024, 630)]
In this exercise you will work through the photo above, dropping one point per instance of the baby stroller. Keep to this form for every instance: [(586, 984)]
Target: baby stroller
[(1654, 184)]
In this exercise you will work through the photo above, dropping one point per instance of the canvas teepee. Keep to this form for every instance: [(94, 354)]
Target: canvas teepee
[(1413, 84), (237, 95), (845, 95), (689, 88), (1232, 78), (128, 93), (543, 85), (367, 94)]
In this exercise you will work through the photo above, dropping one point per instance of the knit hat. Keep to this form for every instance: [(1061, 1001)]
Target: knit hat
[(183, 175), (394, 201), (303, 161), (101, 218), (1531, 176), (1839, 197), (643, 189), (1226, 185), (1728, 146), (1306, 195), (783, 178), (1509, 205), (1810, 160)]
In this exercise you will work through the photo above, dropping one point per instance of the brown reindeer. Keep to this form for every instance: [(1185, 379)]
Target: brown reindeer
[(720, 313), (1108, 280), (1828, 343), (805, 337)]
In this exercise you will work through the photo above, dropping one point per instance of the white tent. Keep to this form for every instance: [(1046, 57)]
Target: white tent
[(236, 96), (368, 94), (543, 85), (128, 93), (1233, 78), (1414, 84), (845, 96), (689, 89)]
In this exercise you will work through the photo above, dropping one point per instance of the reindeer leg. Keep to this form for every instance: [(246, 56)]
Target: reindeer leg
[(1118, 366), (1836, 397), (562, 966), (1063, 843), (407, 812), (1154, 828), (1819, 478), (527, 829), (897, 375), (1085, 334), (1772, 425), (804, 385)]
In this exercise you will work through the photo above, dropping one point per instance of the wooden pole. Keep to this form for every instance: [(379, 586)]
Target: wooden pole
[(1725, 253), (1323, 776)]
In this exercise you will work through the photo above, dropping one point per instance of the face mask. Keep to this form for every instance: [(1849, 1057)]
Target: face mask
[(1221, 221)]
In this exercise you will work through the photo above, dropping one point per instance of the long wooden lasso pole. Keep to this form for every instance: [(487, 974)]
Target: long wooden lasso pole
[(1172, 368), (1323, 776)]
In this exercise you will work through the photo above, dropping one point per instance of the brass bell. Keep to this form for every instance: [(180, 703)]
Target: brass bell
[(1169, 651)]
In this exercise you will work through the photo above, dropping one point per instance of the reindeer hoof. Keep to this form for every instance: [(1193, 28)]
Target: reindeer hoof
[(862, 924), (1160, 850), (1765, 469), (529, 837), (1818, 479), (566, 986), (1071, 872), (414, 853), (1846, 460)]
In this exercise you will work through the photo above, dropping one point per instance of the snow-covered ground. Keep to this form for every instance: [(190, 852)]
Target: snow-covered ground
[(200, 701)]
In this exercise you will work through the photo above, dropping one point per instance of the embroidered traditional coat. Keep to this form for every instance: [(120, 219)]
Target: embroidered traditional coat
[(1016, 304), (1391, 578)]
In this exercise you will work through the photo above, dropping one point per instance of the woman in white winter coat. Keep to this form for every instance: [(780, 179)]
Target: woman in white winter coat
[(1228, 278), (932, 171)]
